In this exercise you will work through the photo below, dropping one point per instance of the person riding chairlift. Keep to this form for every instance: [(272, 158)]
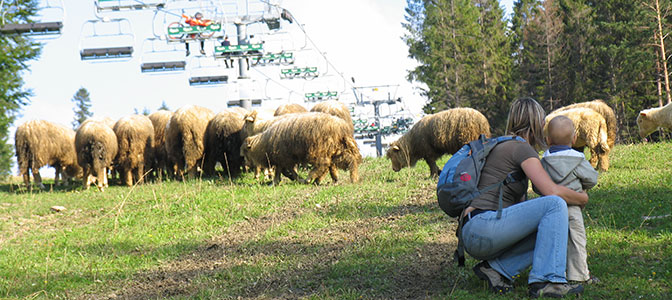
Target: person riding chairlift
[(197, 20)]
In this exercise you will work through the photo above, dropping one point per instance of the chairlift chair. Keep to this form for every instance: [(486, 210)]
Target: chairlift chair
[(159, 57), (104, 46), (179, 32), (201, 76), (239, 51), (53, 12), (305, 73), (121, 5)]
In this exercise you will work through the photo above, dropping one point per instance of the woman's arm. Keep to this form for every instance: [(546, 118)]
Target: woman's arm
[(540, 179)]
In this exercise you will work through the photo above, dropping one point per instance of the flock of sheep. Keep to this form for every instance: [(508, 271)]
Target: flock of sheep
[(192, 140)]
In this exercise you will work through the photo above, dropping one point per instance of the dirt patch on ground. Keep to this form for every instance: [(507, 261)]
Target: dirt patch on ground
[(310, 258)]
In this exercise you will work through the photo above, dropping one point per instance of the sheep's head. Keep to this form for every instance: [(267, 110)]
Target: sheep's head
[(247, 147), (73, 171), (646, 124), (399, 157)]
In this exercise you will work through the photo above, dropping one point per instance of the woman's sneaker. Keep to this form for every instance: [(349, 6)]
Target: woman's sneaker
[(498, 283), (554, 290)]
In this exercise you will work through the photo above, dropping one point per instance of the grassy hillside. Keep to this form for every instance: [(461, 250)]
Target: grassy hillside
[(382, 238)]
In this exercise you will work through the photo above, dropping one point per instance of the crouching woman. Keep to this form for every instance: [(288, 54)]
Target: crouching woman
[(530, 232)]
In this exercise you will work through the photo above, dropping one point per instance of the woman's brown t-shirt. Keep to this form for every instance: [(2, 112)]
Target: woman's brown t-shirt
[(504, 159)]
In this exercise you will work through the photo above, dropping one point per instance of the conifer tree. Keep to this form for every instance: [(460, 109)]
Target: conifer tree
[(15, 52), (164, 106), (82, 107)]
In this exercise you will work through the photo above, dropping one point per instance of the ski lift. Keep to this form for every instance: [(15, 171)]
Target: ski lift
[(158, 56), (296, 72), (51, 23), (207, 75), (120, 5), (273, 14), (100, 39), (278, 50), (179, 32), (322, 96), (322, 89), (170, 16), (239, 51)]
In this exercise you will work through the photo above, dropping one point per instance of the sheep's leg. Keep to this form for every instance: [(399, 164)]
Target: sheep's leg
[(593, 157), (58, 171), (26, 179), (333, 171), (87, 177), (354, 173), (257, 172), (38, 178), (139, 172), (128, 176), (603, 162), (433, 168), (269, 173), (276, 178), (104, 178)]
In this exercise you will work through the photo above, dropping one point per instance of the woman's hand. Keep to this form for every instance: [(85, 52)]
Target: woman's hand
[(540, 179)]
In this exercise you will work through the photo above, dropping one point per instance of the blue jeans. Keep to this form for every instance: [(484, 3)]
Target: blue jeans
[(533, 232)]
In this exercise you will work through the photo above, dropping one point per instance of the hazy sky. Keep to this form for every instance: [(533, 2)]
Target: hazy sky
[(360, 38)]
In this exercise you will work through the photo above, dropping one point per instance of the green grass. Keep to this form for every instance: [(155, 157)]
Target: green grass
[(384, 237)]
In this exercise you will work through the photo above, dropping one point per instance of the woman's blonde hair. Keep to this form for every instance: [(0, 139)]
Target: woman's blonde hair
[(526, 119)]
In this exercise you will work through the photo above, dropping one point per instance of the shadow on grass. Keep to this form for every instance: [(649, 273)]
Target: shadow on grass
[(296, 269), (95, 273)]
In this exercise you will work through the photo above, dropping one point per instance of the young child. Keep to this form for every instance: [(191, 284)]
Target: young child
[(570, 168)]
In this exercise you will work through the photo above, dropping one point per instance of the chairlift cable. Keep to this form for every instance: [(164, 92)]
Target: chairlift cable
[(276, 82), (311, 41)]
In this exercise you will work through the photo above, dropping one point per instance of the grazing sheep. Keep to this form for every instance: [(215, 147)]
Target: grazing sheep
[(291, 108), (435, 135), (318, 139), (335, 108), (649, 120), (39, 143), (135, 147), (223, 141), (591, 131), (160, 162), (96, 146), (606, 112), (185, 134)]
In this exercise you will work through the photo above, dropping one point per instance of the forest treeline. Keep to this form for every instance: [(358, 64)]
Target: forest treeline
[(556, 51)]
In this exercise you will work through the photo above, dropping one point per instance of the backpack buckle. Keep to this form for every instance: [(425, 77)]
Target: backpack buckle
[(509, 178)]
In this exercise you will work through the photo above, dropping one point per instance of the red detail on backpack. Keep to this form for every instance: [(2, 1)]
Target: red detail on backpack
[(465, 177)]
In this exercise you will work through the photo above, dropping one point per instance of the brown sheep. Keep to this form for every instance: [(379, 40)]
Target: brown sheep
[(335, 108), (223, 141), (591, 131), (96, 146), (185, 134), (39, 143), (160, 162), (435, 135), (291, 108), (606, 112), (318, 139), (135, 147), (651, 119)]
